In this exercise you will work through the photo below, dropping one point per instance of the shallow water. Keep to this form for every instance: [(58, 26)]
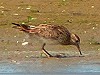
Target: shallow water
[(49, 66)]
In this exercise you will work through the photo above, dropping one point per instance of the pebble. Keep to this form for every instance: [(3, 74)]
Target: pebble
[(26, 56), (15, 14), (63, 10), (17, 41), (24, 43), (23, 22), (45, 21), (93, 28), (15, 36), (96, 24), (28, 8), (92, 6), (2, 11), (64, 0), (90, 43), (89, 23), (53, 21), (13, 61), (5, 49), (85, 32), (2, 7), (19, 7)]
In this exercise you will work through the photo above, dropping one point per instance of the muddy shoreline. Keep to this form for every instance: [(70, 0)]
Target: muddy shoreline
[(80, 16)]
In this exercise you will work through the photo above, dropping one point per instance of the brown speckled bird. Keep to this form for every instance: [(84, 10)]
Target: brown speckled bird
[(53, 32)]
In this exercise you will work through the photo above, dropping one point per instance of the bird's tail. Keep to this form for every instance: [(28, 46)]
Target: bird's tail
[(16, 24), (22, 27)]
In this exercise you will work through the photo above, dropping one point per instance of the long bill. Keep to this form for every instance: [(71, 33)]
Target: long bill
[(79, 49)]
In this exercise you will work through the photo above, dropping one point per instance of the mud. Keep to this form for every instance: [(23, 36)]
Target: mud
[(79, 16)]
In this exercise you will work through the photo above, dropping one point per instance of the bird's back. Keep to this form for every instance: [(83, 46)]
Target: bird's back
[(53, 32)]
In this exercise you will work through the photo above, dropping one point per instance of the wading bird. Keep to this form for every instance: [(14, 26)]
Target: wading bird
[(53, 32)]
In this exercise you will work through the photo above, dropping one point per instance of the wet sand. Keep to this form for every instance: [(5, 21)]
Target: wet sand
[(80, 16)]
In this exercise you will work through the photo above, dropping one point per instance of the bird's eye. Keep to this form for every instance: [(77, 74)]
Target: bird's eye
[(77, 41)]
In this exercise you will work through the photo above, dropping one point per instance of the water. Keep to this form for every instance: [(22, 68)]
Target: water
[(46, 66), (83, 68)]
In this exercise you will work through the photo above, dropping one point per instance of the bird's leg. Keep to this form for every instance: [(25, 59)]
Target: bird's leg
[(45, 52)]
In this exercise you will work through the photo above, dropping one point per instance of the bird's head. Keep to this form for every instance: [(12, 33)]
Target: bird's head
[(75, 40)]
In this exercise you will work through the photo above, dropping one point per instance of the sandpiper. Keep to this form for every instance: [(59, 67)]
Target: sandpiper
[(53, 32)]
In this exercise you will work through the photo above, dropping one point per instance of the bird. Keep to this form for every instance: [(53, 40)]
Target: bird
[(57, 33)]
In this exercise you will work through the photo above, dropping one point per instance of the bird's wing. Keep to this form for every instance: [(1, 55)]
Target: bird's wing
[(56, 32), (52, 32)]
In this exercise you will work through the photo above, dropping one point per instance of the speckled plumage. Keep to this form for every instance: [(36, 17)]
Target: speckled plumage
[(53, 32)]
